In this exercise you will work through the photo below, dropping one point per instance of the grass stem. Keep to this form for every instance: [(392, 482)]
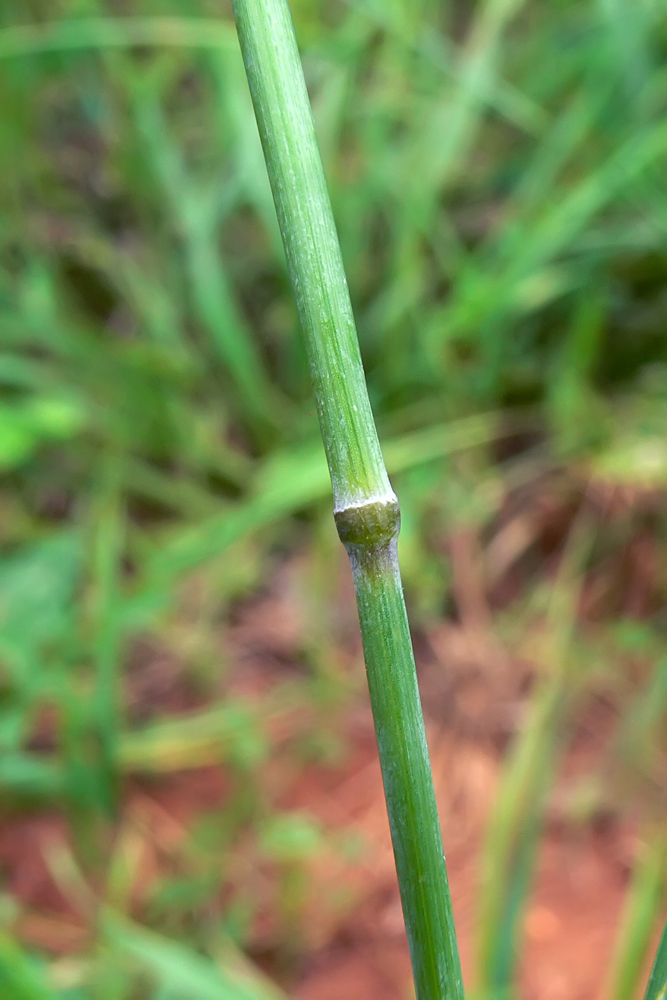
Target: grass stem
[(365, 506)]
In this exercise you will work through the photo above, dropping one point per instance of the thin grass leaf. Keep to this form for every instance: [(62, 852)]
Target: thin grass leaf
[(197, 225), (492, 90), (30, 774), (657, 984), (511, 844), (37, 585), (107, 639), (642, 908), (20, 977), (183, 972), (232, 732), (114, 32)]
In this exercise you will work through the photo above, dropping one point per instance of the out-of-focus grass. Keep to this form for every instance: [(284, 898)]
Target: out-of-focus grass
[(498, 177)]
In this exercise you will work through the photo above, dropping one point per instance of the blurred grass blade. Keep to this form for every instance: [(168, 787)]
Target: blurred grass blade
[(37, 586), (20, 977), (233, 731), (512, 838), (197, 225), (497, 93), (450, 131), (30, 774), (107, 642), (513, 831), (657, 984), (629, 30), (182, 970), (643, 906), (643, 722), (114, 32)]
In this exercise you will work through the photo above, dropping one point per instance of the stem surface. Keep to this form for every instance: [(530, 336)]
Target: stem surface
[(313, 253), (365, 506)]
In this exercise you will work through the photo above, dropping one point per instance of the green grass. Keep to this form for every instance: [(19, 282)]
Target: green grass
[(496, 171)]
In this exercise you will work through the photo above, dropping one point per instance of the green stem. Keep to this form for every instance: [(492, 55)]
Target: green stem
[(365, 506), (313, 254)]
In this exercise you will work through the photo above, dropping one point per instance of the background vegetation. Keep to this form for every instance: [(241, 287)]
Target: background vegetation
[(497, 170)]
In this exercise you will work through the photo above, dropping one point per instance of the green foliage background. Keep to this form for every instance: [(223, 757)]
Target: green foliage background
[(498, 175)]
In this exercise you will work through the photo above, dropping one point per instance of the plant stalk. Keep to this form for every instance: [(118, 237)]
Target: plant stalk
[(365, 507)]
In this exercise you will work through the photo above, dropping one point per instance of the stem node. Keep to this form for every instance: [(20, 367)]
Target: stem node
[(370, 524)]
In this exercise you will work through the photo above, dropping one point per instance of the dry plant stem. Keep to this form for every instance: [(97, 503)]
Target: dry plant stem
[(365, 506)]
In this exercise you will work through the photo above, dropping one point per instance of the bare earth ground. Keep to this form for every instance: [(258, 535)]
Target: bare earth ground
[(352, 921), (570, 925)]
